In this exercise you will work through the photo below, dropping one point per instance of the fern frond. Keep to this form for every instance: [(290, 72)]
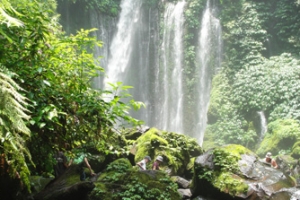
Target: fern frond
[(6, 18)]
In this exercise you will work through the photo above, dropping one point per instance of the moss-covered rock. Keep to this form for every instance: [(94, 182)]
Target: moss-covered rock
[(282, 135), (222, 170), (134, 133), (176, 149), (120, 181), (67, 186), (233, 171)]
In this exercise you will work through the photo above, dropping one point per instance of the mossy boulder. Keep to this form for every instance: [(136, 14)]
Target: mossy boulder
[(176, 149), (67, 186), (134, 133), (282, 135), (122, 181), (235, 172)]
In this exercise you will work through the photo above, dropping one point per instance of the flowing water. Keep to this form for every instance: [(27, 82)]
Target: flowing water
[(209, 60), (171, 70), (149, 57), (263, 124)]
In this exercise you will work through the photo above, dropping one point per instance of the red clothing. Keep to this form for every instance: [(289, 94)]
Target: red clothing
[(155, 165)]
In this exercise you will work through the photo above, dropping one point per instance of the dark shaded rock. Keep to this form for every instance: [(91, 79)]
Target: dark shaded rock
[(135, 133), (285, 162), (67, 186), (38, 183), (205, 160)]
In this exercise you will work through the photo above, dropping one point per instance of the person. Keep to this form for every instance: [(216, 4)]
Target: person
[(82, 162), (10, 186), (61, 163), (3, 165), (158, 160), (143, 163), (269, 160)]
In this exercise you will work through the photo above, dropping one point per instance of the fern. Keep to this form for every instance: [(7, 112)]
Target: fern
[(13, 130)]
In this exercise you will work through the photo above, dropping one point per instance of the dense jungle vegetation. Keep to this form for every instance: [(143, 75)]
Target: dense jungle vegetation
[(46, 94), (46, 74)]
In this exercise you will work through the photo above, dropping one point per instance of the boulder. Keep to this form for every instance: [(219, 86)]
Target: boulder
[(234, 172), (135, 133), (176, 149), (181, 182), (67, 186), (122, 181), (185, 193)]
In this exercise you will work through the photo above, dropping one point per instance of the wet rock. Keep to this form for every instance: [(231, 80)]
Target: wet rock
[(185, 193), (238, 172), (182, 183)]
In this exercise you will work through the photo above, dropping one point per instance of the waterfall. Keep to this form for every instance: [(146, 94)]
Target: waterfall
[(209, 60), (106, 27), (263, 124), (171, 94), (134, 62), (122, 43), (149, 56)]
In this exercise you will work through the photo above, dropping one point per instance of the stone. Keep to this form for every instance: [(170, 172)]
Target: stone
[(182, 183), (185, 193), (234, 172)]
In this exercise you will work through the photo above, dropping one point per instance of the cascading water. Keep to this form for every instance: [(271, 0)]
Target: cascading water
[(171, 98), (153, 64), (106, 26), (263, 124), (209, 57), (159, 85), (122, 43)]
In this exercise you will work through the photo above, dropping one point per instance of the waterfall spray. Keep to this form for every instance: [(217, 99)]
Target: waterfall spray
[(263, 124), (171, 69), (209, 56)]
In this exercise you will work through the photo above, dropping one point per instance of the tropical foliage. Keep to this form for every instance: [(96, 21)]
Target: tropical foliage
[(259, 71), (55, 71)]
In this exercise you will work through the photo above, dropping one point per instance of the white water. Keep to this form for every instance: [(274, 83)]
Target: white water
[(153, 64), (121, 47), (263, 124), (209, 55), (170, 117)]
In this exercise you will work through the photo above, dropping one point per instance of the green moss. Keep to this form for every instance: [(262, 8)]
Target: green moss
[(73, 179), (101, 191), (118, 184), (147, 142), (236, 150), (190, 165), (296, 150), (229, 183), (176, 149), (282, 135), (226, 174)]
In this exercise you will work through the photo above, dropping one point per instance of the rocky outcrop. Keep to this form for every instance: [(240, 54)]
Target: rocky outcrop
[(234, 172), (176, 149), (67, 186), (122, 181)]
